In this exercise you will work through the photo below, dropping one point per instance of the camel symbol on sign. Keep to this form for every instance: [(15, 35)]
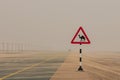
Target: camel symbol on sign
[(82, 38)]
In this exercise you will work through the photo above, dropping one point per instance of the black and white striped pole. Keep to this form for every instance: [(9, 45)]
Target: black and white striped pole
[(80, 67)]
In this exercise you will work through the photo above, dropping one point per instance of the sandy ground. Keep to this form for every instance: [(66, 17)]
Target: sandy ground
[(97, 66), (68, 70), (103, 65)]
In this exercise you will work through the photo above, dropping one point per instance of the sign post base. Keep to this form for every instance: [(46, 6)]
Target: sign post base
[(80, 68)]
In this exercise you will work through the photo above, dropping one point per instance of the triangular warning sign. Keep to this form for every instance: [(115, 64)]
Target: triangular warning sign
[(80, 37)]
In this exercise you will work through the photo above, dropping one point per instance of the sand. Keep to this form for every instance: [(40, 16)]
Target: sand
[(97, 66)]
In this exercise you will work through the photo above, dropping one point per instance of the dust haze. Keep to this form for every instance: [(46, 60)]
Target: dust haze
[(51, 24)]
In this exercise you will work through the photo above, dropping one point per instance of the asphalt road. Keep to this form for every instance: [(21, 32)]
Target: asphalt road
[(30, 65)]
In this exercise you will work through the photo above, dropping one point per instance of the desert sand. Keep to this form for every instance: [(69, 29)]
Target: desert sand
[(97, 66)]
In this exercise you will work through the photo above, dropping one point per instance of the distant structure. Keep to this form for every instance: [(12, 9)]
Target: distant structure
[(10, 47), (82, 38)]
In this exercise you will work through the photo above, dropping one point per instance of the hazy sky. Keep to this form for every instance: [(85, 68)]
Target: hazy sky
[(51, 24)]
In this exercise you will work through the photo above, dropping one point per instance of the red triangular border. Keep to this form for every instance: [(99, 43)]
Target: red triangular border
[(88, 41)]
